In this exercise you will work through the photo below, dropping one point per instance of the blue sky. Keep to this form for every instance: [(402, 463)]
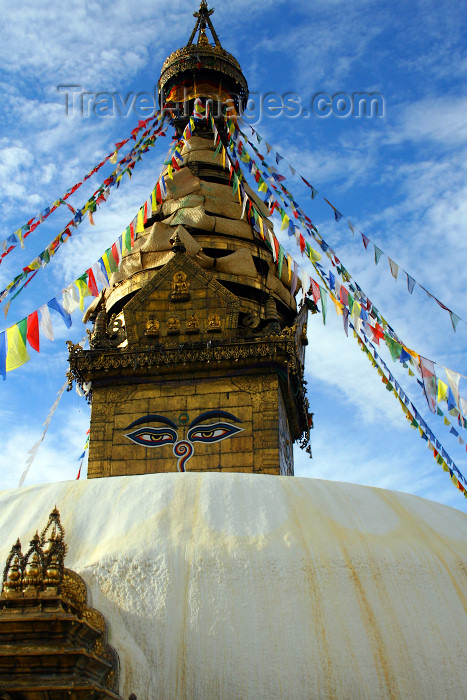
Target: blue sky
[(400, 178)]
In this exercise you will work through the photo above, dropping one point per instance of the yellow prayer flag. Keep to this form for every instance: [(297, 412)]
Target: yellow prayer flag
[(442, 390), (19, 233), (170, 171), (83, 290), (17, 354), (314, 255), (337, 304), (289, 265), (356, 310), (285, 222), (260, 221), (140, 222), (106, 265)]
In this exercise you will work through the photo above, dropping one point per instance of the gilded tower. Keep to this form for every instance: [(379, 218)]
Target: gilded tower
[(197, 351)]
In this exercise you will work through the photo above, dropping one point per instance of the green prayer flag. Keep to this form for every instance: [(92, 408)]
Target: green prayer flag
[(394, 347), (111, 260), (324, 300), (280, 261)]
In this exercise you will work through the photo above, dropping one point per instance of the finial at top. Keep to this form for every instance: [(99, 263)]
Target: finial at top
[(203, 20)]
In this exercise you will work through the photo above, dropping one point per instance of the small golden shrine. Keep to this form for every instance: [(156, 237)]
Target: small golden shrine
[(52, 645)]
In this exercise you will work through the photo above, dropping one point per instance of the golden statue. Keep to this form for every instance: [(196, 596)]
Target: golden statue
[(214, 323), (180, 287), (192, 324), (173, 325), (152, 327)]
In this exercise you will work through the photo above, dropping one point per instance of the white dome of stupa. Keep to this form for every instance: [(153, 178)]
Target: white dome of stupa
[(246, 587)]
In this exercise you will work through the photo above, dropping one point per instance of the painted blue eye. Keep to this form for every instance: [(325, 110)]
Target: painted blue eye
[(153, 437), (212, 433)]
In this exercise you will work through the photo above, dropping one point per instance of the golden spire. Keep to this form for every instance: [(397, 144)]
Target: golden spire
[(204, 20)]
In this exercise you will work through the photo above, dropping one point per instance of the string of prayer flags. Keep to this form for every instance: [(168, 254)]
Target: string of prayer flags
[(416, 421), (33, 451), (397, 349), (24, 231), (394, 267), (100, 196), (14, 341), (82, 456)]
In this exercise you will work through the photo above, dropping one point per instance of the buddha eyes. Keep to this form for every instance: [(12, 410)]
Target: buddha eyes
[(156, 437), (212, 433), (153, 437)]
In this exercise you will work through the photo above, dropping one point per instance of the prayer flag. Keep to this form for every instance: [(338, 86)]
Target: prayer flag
[(54, 304), (83, 290), (46, 323), (3, 355), (394, 268), (378, 254), (17, 354), (92, 283), (33, 330), (430, 382), (324, 299)]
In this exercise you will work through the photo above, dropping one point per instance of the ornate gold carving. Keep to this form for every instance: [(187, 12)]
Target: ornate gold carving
[(180, 287), (33, 568), (12, 573), (74, 349), (37, 583), (173, 325), (214, 323), (74, 588), (192, 324), (152, 327)]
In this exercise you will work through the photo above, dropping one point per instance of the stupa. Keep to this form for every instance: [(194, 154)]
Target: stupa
[(197, 565)]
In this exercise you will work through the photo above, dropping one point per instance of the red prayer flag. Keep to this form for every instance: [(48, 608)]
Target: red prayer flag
[(158, 193), (92, 283), (115, 254), (276, 246), (315, 291), (32, 333), (344, 296), (378, 333)]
